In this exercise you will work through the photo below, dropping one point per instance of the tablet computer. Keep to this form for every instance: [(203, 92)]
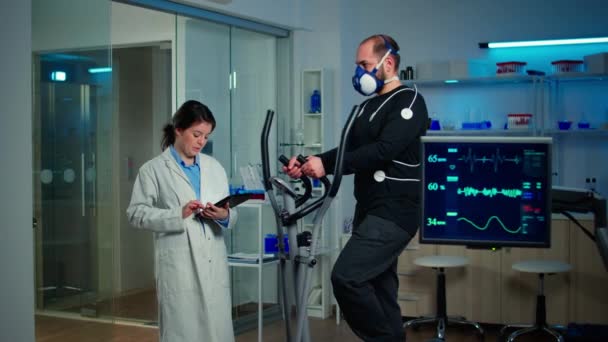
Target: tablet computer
[(234, 200)]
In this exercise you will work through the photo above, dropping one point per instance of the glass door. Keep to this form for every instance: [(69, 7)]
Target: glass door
[(65, 181), (67, 214), (204, 75), (253, 92), (253, 66), (72, 158)]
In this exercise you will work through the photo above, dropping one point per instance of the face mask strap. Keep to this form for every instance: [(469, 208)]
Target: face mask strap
[(388, 52), (389, 80)]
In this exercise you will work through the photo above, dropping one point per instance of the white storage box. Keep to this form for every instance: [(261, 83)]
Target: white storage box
[(597, 63), (519, 121), (432, 71)]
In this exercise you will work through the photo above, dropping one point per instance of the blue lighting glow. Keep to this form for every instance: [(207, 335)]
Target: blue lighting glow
[(547, 42), (99, 70), (58, 76), (451, 81)]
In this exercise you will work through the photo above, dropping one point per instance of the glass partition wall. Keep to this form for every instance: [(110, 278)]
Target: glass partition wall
[(233, 71), (102, 93), (72, 130)]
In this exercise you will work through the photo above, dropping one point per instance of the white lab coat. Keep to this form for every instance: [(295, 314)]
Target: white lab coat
[(190, 260)]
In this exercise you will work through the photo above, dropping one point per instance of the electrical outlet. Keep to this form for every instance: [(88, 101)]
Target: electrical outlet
[(591, 184), (595, 187)]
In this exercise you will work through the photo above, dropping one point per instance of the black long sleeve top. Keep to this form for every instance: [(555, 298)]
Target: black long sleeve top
[(386, 137)]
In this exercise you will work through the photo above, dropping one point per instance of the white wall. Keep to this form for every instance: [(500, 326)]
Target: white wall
[(16, 244), (65, 24), (133, 25), (124, 24), (445, 29)]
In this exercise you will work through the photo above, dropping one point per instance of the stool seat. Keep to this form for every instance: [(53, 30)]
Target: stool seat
[(542, 266), (441, 261)]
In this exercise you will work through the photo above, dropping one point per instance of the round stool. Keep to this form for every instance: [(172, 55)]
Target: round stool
[(439, 263), (540, 267)]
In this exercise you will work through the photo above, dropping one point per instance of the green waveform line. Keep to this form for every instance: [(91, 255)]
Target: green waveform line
[(495, 159), (488, 224), (470, 191)]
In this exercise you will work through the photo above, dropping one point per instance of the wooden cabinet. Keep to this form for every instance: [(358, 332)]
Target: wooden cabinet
[(588, 291), (416, 284), (483, 284), (488, 290), (519, 291)]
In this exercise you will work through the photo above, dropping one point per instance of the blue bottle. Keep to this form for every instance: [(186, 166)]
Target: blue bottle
[(315, 102)]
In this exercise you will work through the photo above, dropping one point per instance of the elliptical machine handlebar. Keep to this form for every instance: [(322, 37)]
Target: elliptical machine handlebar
[(301, 199), (265, 157), (335, 186), (288, 219), (331, 188)]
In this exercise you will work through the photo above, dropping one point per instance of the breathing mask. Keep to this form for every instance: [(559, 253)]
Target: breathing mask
[(366, 82)]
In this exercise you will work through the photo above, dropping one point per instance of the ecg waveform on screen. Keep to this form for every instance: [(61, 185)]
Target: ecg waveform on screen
[(470, 191), (502, 225), (495, 159)]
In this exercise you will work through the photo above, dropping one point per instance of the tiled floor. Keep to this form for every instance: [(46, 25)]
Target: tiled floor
[(141, 306), (54, 329)]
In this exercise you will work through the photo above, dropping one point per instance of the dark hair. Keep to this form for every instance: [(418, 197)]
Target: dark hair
[(190, 113), (381, 44)]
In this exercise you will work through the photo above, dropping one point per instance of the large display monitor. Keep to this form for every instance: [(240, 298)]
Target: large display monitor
[(486, 192)]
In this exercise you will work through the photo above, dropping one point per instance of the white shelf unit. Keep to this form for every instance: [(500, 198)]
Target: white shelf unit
[(578, 152), (312, 123), (255, 220), (517, 86), (314, 135)]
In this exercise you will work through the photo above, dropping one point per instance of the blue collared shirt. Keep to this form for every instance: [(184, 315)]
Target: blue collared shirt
[(193, 172)]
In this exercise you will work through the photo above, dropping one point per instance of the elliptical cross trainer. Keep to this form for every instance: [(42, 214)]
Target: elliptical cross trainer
[(303, 246)]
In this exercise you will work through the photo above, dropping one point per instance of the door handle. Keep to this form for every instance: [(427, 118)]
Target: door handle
[(34, 223), (82, 184)]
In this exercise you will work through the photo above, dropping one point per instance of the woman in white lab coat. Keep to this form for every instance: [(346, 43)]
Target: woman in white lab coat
[(173, 197)]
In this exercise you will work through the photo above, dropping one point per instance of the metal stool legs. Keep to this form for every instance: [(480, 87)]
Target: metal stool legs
[(541, 318), (441, 317)]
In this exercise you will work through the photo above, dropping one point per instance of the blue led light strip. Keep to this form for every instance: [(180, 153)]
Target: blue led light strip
[(549, 42), (99, 70)]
